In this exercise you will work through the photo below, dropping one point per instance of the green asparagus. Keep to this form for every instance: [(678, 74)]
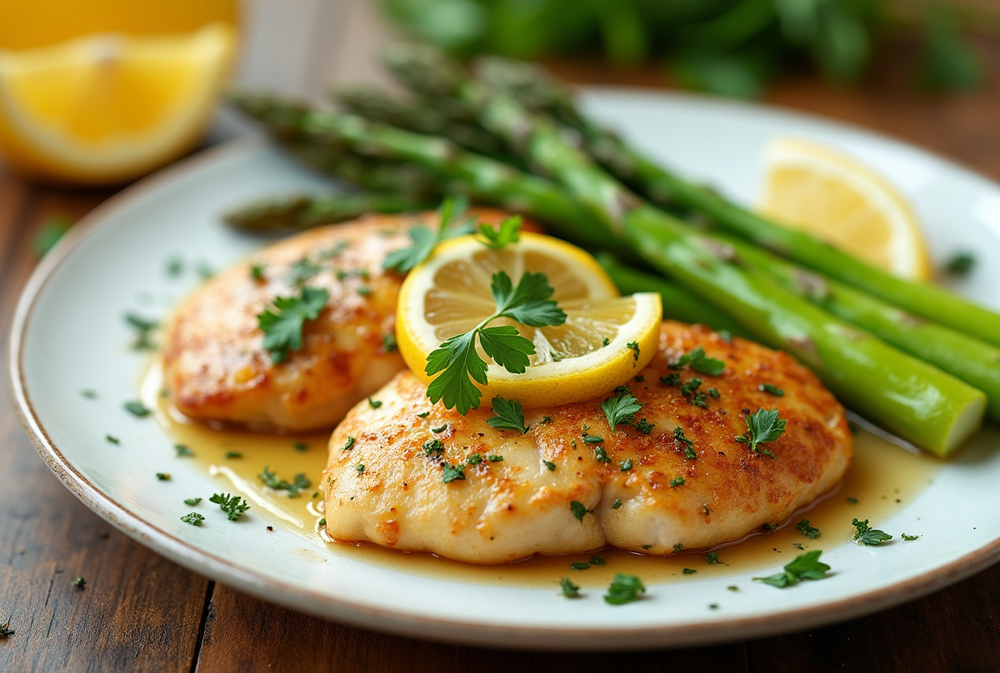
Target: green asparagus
[(528, 83), (302, 211), (678, 303), (929, 408), (971, 360)]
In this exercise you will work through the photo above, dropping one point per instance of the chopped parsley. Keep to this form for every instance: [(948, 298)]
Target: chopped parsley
[(617, 503), (89, 394), (624, 589), (866, 536), (644, 426), (634, 346), (507, 415), (580, 510), (909, 538), (112, 439), (494, 458), (144, 329), (689, 571), (374, 404), (807, 530), (137, 409), (853, 501), (712, 558), (763, 426), (439, 429), (301, 447), (579, 565), (672, 379), (434, 447), (359, 468), (452, 472), (301, 271), (282, 322), (700, 362), (597, 560), (298, 484), (233, 505), (348, 444), (678, 547), (423, 240), (625, 465), (364, 291), (193, 518), (191, 502), (676, 481), (771, 389), (798, 545), (423, 414), (732, 587), (474, 459), (389, 344), (803, 567), (592, 439), (344, 274), (457, 362), (257, 272), (621, 409), (182, 451), (551, 467), (688, 445), (498, 239), (569, 590), (163, 476), (601, 455), (712, 392), (79, 583), (961, 264)]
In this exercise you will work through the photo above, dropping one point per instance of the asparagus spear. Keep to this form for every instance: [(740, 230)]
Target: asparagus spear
[(678, 303), (913, 399), (921, 404), (971, 360), (302, 211), (635, 168)]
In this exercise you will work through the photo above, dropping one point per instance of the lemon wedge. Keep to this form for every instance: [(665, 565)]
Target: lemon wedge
[(606, 339), (109, 108), (845, 203)]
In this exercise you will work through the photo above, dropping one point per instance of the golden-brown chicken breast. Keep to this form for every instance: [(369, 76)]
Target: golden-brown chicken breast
[(414, 476), (215, 365)]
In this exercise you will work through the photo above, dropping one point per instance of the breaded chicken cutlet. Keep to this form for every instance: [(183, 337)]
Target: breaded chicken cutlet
[(215, 365), (435, 481)]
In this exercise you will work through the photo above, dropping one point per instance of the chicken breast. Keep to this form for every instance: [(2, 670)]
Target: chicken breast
[(571, 484), (215, 365)]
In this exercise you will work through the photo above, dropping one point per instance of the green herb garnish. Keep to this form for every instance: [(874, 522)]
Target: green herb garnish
[(579, 510), (282, 323), (191, 502), (137, 409), (193, 518), (298, 484), (233, 505), (620, 409), (807, 530), (507, 414), (804, 567), (624, 589), (700, 362), (423, 240), (498, 239), (763, 426), (452, 472), (866, 536), (569, 590), (457, 361)]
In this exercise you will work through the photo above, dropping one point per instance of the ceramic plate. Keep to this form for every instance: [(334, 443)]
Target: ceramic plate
[(69, 336)]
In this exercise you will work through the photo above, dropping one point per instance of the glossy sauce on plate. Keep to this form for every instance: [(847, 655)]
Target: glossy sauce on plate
[(883, 479)]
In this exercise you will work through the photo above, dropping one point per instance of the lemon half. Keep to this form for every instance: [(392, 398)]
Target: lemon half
[(847, 204), (109, 108), (606, 339)]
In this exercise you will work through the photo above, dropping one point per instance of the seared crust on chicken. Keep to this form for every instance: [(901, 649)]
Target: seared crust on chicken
[(216, 368), (637, 491)]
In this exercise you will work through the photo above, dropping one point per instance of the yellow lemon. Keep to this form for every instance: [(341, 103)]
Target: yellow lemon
[(604, 342), (109, 108), (840, 200)]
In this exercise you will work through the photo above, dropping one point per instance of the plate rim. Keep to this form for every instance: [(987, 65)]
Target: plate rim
[(408, 623)]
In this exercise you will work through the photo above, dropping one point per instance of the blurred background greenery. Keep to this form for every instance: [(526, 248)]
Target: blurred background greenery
[(728, 47)]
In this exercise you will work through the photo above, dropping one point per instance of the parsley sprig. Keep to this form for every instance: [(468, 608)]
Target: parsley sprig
[(763, 426), (292, 488), (868, 537), (282, 323), (700, 362), (233, 505), (803, 567), (457, 361), (508, 414), (498, 239), (624, 589), (621, 409), (424, 240)]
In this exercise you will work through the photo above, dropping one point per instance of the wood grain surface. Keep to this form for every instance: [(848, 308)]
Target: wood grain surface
[(140, 612)]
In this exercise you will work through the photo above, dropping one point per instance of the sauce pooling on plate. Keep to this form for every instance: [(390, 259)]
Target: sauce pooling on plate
[(883, 479)]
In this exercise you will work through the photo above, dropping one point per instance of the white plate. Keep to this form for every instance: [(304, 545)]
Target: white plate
[(69, 335)]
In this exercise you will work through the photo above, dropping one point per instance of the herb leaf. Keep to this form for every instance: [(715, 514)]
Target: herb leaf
[(763, 426), (508, 414), (457, 362), (508, 233), (424, 240), (293, 488), (803, 567), (282, 323), (624, 589), (868, 537), (233, 505), (620, 409), (807, 530), (569, 590), (193, 518), (580, 510), (700, 362)]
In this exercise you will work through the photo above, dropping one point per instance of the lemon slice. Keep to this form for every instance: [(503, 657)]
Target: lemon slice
[(606, 339), (109, 108), (845, 203)]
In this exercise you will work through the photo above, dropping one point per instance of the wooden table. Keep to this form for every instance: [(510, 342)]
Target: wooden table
[(142, 612)]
